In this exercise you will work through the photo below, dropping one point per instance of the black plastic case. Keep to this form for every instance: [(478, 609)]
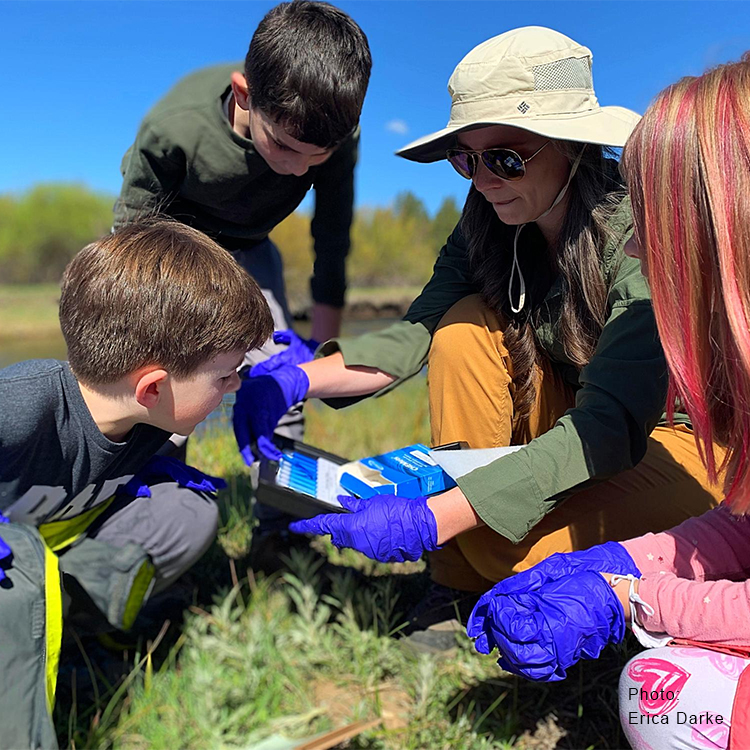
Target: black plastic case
[(290, 501), (296, 503)]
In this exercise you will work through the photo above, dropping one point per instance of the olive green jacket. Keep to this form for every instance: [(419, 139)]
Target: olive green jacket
[(620, 394), (188, 162)]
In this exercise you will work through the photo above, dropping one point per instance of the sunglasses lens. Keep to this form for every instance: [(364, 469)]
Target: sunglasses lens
[(462, 162), (504, 163)]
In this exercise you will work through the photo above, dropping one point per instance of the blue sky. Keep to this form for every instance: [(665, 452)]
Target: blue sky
[(76, 77)]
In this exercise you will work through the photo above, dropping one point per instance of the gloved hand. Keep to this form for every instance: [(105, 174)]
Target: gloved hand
[(610, 557), (260, 403), (541, 634), (298, 352), (5, 550), (387, 528), (184, 475)]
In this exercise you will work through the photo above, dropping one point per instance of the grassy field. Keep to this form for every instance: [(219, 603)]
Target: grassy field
[(29, 311), (312, 648)]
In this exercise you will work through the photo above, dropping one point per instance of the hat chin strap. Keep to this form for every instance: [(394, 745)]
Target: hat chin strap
[(516, 268)]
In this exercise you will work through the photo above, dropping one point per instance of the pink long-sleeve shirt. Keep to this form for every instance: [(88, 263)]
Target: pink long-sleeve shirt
[(695, 576)]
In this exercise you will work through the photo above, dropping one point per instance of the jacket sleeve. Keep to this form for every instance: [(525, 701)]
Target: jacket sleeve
[(331, 224), (707, 611), (695, 578), (401, 349), (712, 546), (622, 396), (153, 170)]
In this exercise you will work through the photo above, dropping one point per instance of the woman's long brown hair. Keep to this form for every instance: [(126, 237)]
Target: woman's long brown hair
[(594, 195)]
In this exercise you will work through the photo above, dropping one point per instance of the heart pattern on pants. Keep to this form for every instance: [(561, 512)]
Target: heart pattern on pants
[(713, 736), (726, 664), (659, 678)]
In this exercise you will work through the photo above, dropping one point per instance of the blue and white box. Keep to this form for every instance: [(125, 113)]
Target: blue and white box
[(407, 472)]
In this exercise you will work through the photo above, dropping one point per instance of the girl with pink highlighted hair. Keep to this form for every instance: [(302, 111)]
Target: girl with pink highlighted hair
[(684, 592), (688, 168)]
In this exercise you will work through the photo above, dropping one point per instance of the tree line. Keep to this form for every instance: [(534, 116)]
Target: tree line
[(42, 228)]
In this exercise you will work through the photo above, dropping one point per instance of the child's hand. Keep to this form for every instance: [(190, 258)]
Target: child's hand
[(298, 352), (158, 468), (542, 633), (611, 557), (260, 403), (622, 592), (519, 607), (5, 550), (387, 528)]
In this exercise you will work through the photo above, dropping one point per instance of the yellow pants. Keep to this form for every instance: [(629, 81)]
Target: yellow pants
[(471, 399)]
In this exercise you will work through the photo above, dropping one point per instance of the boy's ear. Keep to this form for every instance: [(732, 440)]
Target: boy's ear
[(150, 386), (240, 90)]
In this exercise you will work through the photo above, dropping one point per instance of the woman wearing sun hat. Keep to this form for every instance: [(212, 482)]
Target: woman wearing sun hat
[(538, 331)]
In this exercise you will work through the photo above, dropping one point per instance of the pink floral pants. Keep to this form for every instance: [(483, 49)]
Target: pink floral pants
[(679, 698)]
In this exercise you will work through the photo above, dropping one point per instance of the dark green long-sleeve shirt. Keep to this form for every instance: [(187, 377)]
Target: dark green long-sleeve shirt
[(620, 394), (188, 162)]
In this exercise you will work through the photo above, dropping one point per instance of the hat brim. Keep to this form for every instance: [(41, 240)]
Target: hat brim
[(606, 126)]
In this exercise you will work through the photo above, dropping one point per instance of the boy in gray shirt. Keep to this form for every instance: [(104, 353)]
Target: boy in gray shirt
[(157, 318)]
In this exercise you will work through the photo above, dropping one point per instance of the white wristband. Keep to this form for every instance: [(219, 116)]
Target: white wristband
[(645, 638)]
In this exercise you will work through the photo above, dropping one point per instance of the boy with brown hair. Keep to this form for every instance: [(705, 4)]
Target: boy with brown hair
[(157, 318)]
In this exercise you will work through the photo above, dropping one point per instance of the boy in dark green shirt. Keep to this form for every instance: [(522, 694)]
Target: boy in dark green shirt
[(234, 153)]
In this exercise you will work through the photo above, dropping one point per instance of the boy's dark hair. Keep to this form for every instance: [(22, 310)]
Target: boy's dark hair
[(307, 68), (157, 292)]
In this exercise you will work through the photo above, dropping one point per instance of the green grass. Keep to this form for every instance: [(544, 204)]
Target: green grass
[(312, 648), (29, 311), (382, 293)]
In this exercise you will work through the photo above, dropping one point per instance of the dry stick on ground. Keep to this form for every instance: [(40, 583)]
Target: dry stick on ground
[(337, 736)]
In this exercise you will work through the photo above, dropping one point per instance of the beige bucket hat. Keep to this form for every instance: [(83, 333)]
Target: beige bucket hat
[(532, 78)]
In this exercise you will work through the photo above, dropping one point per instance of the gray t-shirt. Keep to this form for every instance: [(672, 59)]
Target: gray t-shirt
[(54, 462)]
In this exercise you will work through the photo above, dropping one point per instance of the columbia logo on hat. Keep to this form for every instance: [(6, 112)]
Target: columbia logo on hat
[(523, 108)]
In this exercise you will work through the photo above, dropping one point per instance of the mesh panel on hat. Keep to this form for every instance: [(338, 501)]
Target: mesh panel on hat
[(570, 73)]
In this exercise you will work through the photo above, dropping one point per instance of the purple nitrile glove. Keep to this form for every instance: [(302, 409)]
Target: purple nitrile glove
[(5, 550), (610, 557), (261, 402), (184, 475), (387, 528), (541, 634), (298, 352)]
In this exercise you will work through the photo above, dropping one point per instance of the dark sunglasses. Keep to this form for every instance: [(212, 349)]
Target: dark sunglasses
[(502, 162)]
